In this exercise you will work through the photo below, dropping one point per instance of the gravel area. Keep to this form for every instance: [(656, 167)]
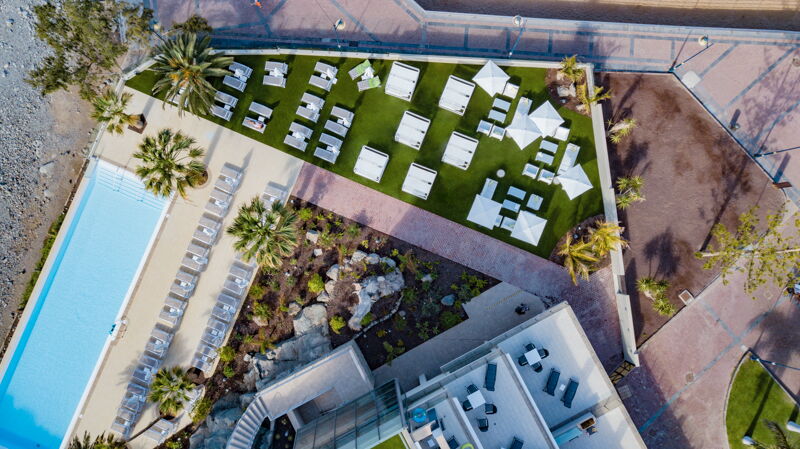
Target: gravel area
[(40, 155)]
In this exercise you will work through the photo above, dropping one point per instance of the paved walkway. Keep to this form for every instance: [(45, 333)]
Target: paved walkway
[(745, 78)]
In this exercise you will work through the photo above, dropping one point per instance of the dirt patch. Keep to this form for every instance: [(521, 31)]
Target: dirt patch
[(695, 176), (553, 82)]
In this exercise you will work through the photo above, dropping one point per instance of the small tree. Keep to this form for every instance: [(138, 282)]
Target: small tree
[(109, 108), (579, 259), (570, 70), (656, 290), (170, 390), (630, 191), (772, 254), (101, 441), (605, 236), (266, 235), (588, 100), (623, 128), (195, 24), (170, 162)]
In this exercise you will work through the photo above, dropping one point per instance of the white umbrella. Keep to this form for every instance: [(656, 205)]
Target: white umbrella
[(574, 181), (484, 211), (528, 228), (546, 118), (491, 78), (522, 131)]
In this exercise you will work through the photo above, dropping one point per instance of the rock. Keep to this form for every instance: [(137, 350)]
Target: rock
[(358, 256), (317, 252), (566, 91), (427, 278), (333, 272), (47, 169), (370, 290), (330, 286), (388, 261), (9, 22), (311, 316), (373, 258), (312, 236), (324, 297), (223, 420), (246, 399), (294, 308), (449, 300), (581, 108)]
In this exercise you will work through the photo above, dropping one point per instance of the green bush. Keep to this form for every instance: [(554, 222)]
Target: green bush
[(449, 319), (228, 371), (337, 323), (381, 333), (37, 270), (201, 410), (262, 310), (175, 444), (226, 354), (367, 319), (316, 284), (663, 306), (305, 214), (400, 323), (256, 291)]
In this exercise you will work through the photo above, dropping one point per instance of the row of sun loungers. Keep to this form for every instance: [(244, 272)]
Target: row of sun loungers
[(310, 107), (297, 137), (276, 73)]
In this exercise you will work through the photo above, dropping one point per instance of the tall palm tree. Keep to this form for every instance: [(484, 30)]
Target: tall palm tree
[(781, 440), (170, 162), (267, 235), (569, 68), (606, 236), (102, 441), (170, 390), (579, 259), (184, 65), (109, 108)]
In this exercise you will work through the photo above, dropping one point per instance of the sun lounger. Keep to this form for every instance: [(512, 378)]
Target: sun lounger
[(240, 70), (412, 130), (497, 116), (281, 67), (217, 328), (402, 81), (419, 181), (548, 146), (508, 223), (235, 288), (359, 70), (312, 99), (229, 178), (569, 159), (541, 156), (336, 128), (221, 112), (531, 171), (328, 139), (295, 142), (484, 127), (371, 163), (511, 205), (562, 133), (328, 153), (229, 302), (225, 99), (501, 104), (552, 382), (456, 95), (321, 82), (534, 202), (277, 81), (159, 342), (569, 394), (170, 314), (198, 250), (123, 422), (260, 109), (234, 83), (202, 364), (489, 186), (516, 193), (326, 69), (497, 132), (213, 340), (216, 207), (546, 176), (194, 262), (369, 84), (159, 431), (516, 443), (135, 397), (277, 193), (308, 114), (205, 234), (301, 131), (344, 114), (181, 291), (491, 376), (258, 125)]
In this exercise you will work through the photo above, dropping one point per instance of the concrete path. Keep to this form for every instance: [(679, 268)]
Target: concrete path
[(747, 79)]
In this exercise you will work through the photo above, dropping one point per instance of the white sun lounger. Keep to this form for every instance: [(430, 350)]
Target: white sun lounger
[(546, 176), (327, 153), (530, 171), (548, 146), (343, 114), (159, 431), (295, 142), (277, 81), (234, 83), (326, 70), (367, 84), (194, 262), (235, 288), (570, 158), (207, 231), (221, 112), (322, 83), (489, 186), (548, 159), (226, 99), (240, 70), (198, 250), (281, 67), (336, 128), (158, 343), (240, 273), (229, 178), (359, 69), (135, 397), (308, 114)]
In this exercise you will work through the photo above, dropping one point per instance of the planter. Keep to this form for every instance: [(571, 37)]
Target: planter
[(140, 124)]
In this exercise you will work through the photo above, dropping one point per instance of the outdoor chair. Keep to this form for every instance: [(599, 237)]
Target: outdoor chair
[(489, 409), (516, 443), (359, 70), (552, 382), (544, 353), (234, 83), (452, 442), (522, 360), (472, 389), (537, 367), (491, 376), (483, 424), (369, 84), (530, 347), (569, 394), (466, 406)]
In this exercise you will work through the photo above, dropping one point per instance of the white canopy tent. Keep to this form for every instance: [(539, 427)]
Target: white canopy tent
[(402, 81), (522, 130), (546, 118), (528, 228), (574, 181), (491, 78), (484, 211)]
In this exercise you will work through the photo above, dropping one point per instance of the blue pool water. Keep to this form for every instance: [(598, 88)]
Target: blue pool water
[(81, 297)]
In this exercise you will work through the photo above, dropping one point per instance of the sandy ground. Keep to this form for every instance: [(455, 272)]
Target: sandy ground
[(763, 14)]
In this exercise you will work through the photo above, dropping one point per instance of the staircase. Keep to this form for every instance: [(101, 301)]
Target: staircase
[(244, 434)]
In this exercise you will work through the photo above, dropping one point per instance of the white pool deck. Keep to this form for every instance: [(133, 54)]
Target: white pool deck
[(261, 165)]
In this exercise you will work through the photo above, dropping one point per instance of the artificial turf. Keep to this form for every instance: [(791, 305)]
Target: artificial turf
[(377, 116), (394, 442), (755, 397)]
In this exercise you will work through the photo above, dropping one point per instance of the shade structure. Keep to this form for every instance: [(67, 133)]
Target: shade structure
[(574, 181), (484, 211), (546, 119), (528, 228), (522, 130), (491, 78)]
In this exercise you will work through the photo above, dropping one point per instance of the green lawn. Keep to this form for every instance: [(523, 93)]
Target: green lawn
[(392, 443), (755, 397), (377, 116)]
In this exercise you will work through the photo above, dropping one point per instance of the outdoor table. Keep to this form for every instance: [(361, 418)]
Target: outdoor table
[(497, 116), (534, 202), (516, 193), (476, 399), (533, 357), (511, 205)]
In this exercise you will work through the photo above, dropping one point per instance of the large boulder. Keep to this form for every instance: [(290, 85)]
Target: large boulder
[(358, 256), (370, 290), (373, 258), (223, 420), (311, 316)]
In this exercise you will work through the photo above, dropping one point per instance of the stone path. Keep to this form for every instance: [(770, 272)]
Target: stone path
[(747, 79)]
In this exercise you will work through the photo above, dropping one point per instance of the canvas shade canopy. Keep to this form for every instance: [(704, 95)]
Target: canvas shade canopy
[(574, 181), (491, 78), (484, 211), (546, 119), (522, 130), (528, 228)]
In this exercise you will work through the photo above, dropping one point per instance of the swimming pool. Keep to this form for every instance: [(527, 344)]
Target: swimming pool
[(93, 269)]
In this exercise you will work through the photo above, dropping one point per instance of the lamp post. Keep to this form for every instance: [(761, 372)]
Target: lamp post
[(520, 22), (338, 25), (759, 359), (701, 41)]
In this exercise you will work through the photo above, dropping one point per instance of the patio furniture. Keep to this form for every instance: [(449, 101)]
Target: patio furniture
[(452, 443), (225, 99), (135, 397), (489, 186), (497, 116), (325, 69), (516, 193), (228, 302), (466, 406), (146, 370), (491, 78), (541, 156), (501, 104), (275, 66), (218, 203), (159, 431), (295, 142), (207, 231), (562, 133), (328, 139), (359, 69), (529, 228), (402, 81), (299, 131), (546, 176), (277, 81), (222, 313), (490, 377), (419, 181), (124, 421), (336, 128), (548, 146), (194, 262), (472, 388), (543, 353), (159, 342), (211, 339), (516, 443), (255, 124), (228, 180), (328, 153), (240, 273), (234, 83), (508, 223), (497, 132), (456, 95), (569, 394), (570, 158), (511, 205), (546, 118), (240, 70), (459, 150), (308, 113), (537, 367), (552, 382), (367, 84), (322, 83), (172, 311), (260, 109), (275, 192), (483, 424), (221, 112), (345, 117), (534, 202), (371, 163), (531, 171), (412, 130), (198, 250), (510, 90), (235, 288), (484, 127), (489, 409)]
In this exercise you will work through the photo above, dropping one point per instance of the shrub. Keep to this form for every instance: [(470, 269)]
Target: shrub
[(262, 310), (305, 214), (201, 410), (337, 323), (381, 333), (316, 284), (226, 354), (353, 230), (367, 319), (174, 444), (228, 371), (256, 291), (400, 323), (664, 307), (449, 319)]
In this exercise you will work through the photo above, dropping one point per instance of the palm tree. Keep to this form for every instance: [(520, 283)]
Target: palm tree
[(621, 129), (781, 440), (630, 191), (102, 441), (590, 99), (184, 65), (579, 259), (569, 68), (606, 236), (651, 287), (170, 162), (109, 108), (267, 235), (170, 390)]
